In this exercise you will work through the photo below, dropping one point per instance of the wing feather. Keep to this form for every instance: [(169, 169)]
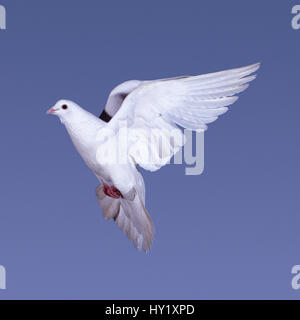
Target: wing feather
[(188, 102)]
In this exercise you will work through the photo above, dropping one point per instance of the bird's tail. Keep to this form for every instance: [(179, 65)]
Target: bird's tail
[(131, 216)]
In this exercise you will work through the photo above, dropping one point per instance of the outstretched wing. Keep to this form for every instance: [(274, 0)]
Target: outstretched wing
[(188, 102), (119, 94)]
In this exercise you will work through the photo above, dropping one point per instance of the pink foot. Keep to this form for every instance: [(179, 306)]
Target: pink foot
[(112, 192)]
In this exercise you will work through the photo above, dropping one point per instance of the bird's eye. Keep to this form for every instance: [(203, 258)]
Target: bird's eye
[(65, 107)]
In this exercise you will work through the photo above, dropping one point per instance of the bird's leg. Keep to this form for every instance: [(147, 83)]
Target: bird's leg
[(112, 191)]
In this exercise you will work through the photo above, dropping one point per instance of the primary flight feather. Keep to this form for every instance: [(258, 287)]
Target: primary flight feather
[(155, 109)]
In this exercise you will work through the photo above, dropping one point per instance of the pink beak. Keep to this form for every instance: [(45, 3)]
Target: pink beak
[(51, 111)]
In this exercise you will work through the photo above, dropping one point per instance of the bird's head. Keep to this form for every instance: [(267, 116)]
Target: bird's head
[(63, 109)]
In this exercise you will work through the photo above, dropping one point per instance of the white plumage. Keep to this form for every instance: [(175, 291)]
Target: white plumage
[(153, 109)]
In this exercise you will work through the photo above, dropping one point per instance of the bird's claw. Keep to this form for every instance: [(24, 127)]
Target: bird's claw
[(112, 192)]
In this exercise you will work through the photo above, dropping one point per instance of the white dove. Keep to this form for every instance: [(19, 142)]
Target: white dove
[(190, 102)]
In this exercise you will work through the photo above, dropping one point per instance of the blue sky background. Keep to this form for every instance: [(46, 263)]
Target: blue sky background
[(233, 232)]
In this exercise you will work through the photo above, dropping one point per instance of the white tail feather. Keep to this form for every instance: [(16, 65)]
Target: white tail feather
[(131, 217)]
